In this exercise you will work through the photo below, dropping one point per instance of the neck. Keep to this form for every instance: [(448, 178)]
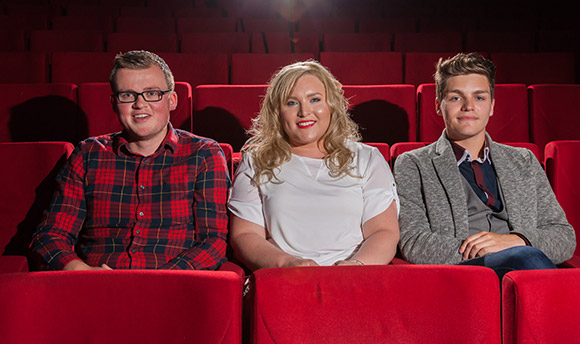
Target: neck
[(310, 151), (474, 145)]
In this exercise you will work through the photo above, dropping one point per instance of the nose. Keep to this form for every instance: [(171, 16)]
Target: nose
[(304, 110), (139, 101), (467, 104)]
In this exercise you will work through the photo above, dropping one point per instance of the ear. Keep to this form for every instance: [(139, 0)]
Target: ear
[(114, 104), (438, 107), (492, 107), (173, 101)]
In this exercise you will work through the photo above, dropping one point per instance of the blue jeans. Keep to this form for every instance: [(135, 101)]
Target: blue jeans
[(514, 258)]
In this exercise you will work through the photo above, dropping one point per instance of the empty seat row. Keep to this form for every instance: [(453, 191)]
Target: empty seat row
[(414, 304), (385, 113), (215, 67)]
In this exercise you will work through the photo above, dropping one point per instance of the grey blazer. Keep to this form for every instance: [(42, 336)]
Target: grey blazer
[(433, 215)]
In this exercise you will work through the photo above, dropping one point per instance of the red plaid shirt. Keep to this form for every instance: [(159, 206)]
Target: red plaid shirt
[(164, 211)]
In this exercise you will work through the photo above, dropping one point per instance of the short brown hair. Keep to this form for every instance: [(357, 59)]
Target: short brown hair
[(463, 64), (141, 59)]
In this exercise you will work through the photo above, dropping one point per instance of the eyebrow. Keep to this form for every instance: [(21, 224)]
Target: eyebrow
[(476, 92)]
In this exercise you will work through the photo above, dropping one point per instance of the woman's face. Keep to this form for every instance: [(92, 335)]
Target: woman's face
[(306, 115)]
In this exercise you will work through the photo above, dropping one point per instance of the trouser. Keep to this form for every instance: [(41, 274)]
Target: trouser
[(514, 258)]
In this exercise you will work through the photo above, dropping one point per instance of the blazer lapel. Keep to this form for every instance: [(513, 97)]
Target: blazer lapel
[(446, 168)]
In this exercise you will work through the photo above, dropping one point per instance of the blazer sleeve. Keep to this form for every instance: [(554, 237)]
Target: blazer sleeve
[(419, 243), (553, 234)]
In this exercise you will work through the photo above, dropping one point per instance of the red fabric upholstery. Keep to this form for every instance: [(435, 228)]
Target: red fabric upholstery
[(402, 147), (27, 184), (95, 100), (357, 42), (509, 122), (121, 307), (139, 10), (391, 25), (188, 25), (26, 22), (534, 68), (140, 24), (428, 41), (23, 67), (10, 264), (383, 148), (271, 42), (307, 42), (561, 161), (541, 306), (329, 25), (215, 42), (257, 69), (198, 69), (228, 152), (374, 68), (553, 120), (81, 67), (12, 40), (385, 113), (376, 304), (51, 41), (224, 112), (72, 23), (39, 112), (156, 42), (265, 25), (500, 41)]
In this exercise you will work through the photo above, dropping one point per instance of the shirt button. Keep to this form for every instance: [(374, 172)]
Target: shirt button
[(137, 231), (141, 213), (142, 187), (133, 251)]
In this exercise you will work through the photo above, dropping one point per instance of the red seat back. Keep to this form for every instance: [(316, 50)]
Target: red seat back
[(257, 69), (374, 68)]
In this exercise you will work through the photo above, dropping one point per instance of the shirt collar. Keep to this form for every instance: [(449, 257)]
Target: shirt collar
[(462, 154), (170, 142)]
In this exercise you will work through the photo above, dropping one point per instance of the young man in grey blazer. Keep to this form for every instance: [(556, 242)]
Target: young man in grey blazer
[(466, 199)]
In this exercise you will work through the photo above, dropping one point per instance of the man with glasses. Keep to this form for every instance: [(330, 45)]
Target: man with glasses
[(148, 197)]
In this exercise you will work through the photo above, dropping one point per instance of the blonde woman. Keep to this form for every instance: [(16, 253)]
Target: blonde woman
[(307, 191)]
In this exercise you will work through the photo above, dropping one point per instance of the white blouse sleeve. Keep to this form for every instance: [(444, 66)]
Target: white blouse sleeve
[(245, 201), (379, 188)]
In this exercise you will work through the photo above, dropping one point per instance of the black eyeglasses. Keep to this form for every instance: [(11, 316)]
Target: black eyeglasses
[(131, 97)]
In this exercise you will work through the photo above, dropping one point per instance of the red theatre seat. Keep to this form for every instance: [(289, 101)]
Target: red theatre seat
[(420, 67), (121, 307), (534, 68), (94, 99), (27, 184), (81, 67), (257, 69), (384, 113), (23, 67), (382, 147), (428, 41), (373, 68), (541, 306), (554, 120), (50, 41), (357, 42), (215, 42), (40, 112), (561, 161), (156, 42), (402, 147), (198, 69), (394, 304), (225, 112), (131, 24), (509, 122)]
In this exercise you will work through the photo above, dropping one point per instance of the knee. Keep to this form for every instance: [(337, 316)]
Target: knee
[(528, 258)]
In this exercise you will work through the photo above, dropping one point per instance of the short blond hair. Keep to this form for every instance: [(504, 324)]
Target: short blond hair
[(463, 64)]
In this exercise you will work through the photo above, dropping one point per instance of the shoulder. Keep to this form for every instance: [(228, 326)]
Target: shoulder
[(191, 144), (521, 157), (102, 143)]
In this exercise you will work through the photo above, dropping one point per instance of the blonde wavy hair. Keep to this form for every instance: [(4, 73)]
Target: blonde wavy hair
[(269, 144)]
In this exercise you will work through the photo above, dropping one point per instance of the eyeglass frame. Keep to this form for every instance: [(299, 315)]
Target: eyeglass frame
[(115, 96)]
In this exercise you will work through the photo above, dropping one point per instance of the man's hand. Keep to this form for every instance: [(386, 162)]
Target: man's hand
[(483, 243), (78, 265)]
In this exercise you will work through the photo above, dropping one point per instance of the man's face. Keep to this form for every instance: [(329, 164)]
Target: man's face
[(142, 120), (466, 106)]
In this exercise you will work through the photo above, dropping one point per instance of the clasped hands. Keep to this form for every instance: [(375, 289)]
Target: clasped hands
[(483, 243)]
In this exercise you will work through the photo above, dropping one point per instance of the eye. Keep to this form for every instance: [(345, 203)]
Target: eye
[(480, 98), (315, 100), (291, 103), (151, 93), (454, 98), (126, 95)]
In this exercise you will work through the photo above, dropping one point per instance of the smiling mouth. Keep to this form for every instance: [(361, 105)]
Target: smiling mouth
[(306, 124), (140, 116)]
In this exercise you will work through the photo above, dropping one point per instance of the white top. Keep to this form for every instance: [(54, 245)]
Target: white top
[(311, 214)]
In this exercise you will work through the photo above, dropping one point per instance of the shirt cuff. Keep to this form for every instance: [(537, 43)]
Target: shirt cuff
[(523, 238)]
